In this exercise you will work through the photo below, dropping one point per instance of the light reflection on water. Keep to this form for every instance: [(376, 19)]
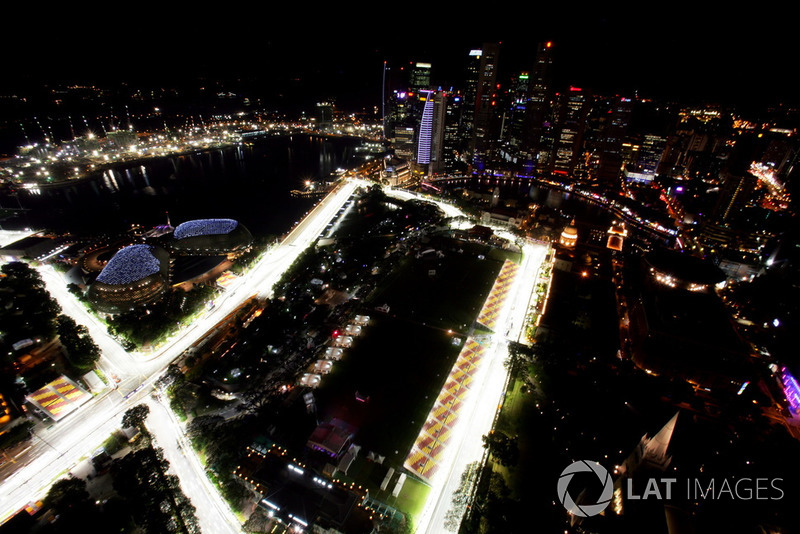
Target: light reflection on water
[(248, 183)]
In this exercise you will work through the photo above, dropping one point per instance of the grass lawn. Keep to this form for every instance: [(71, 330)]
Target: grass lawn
[(517, 418), (412, 497), (401, 366), (446, 292)]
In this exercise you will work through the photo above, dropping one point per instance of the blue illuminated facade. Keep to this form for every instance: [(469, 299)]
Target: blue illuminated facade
[(425, 131), (202, 227), (130, 264)]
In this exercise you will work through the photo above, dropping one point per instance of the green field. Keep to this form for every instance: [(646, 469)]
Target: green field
[(400, 366), (443, 292)]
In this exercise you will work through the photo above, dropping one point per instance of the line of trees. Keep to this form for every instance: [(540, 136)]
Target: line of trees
[(82, 352), (154, 498), (29, 311)]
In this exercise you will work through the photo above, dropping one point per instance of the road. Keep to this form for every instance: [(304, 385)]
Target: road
[(56, 449), (213, 514)]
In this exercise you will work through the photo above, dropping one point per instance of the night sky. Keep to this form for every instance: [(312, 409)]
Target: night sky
[(665, 50)]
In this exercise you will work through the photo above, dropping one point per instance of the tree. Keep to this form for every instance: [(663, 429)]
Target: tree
[(82, 351), (172, 375), (67, 494), (502, 447), (135, 417), (519, 358)]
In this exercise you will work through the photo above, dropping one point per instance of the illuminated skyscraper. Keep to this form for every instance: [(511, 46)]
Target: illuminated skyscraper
[(570, 123), (471, 89), (440, 103), (420, 78), (514, 118), (485, 102), (451, 145), (425, 130), (537, 139), (611, 143), (325, 116)]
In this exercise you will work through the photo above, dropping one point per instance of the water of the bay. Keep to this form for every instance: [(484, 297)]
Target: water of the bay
[(250, 183)]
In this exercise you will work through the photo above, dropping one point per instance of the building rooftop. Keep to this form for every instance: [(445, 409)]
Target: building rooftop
[(202, 227), (129, 265)]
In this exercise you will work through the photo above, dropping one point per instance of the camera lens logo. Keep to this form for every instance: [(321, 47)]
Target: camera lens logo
[(585, 510)]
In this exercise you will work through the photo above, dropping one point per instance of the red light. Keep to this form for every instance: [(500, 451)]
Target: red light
[(335, 333), (571, 88), (549, 44)]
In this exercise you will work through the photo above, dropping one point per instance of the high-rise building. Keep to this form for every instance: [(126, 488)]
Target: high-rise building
[(514, 118), (420, 77), (431, 132), (451, 142), (570, 122), (425, 136), (403, 142), (400, 123), (736, 192), (470, 92), (440, 103), (651, 152), (537, 109), (325, 116), (486, 97), (611, 143)]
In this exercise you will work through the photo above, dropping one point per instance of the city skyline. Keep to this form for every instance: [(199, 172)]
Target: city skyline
[(411, 269), (684, 53)]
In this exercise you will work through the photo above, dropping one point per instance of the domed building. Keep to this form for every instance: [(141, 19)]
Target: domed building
[(136, 275), (211, 237), (569, 236)]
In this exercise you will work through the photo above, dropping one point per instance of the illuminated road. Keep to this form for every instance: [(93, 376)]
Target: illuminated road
[(9, 236), (476, 416), (213, 514), (56, 449), (448, 209), (114, 359)]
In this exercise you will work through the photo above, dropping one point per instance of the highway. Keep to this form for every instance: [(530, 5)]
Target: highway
[(54, 450)]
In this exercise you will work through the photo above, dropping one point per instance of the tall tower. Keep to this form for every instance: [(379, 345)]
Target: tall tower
[(515, 117), (570, 123), (648, 460), (537, 109), (451, 143), (420, 76), (611, 144), (325, 116), (440, 103), (425, 137), (467, 126), (485, 102)]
